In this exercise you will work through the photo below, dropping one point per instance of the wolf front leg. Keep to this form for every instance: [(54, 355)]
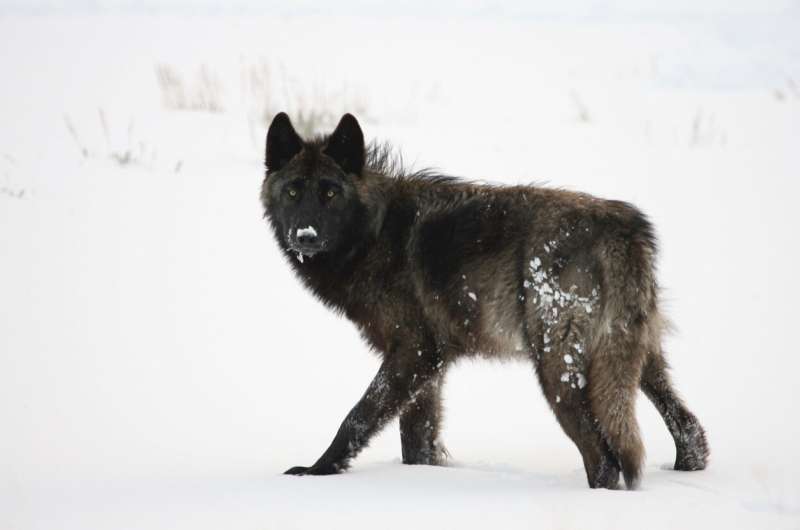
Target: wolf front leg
[(400, 379), (420, 423)]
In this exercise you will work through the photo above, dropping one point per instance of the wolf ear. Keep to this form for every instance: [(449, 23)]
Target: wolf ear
[(283, 142), (346, 145)]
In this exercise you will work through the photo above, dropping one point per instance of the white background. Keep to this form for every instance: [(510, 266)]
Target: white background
[(160, 366)]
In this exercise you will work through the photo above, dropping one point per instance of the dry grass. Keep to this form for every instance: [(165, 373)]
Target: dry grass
[(263, 92), (201, 92), (581, 110), (705, 131), (314, 109), (130, 152)]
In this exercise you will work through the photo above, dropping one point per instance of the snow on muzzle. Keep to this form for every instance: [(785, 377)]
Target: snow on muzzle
[(305, 241)]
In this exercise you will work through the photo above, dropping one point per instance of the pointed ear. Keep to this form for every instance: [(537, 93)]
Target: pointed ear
[(346, 145), (283, 142)]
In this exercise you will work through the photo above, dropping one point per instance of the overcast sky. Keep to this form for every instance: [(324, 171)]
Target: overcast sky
[(567, 8)]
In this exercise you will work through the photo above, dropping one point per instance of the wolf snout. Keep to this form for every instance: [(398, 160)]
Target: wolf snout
[(306, 240), (307, 236)]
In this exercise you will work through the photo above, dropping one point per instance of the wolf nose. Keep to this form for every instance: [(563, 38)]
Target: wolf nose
[(306, 239), (306, 236)]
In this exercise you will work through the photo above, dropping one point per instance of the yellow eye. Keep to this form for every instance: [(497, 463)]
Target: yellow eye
[(292, 193), (330, 194)]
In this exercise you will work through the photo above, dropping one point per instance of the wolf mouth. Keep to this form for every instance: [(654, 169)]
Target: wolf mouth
[(304, 252)]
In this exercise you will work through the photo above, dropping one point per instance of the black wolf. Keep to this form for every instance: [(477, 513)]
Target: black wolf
[(431, 269)]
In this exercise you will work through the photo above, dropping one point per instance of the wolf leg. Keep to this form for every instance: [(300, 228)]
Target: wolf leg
[(690, 439), (419, 427), (394, 386), (569, 402)]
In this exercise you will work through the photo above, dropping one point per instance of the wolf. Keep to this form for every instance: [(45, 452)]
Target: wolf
[(432, 269)]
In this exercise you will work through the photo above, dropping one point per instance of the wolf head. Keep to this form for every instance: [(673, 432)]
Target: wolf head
[(313, 193)]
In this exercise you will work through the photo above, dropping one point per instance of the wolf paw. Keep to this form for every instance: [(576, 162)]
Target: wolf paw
[(692, 453), (313, 470), (435, 455), (692, 459), (605, 476)]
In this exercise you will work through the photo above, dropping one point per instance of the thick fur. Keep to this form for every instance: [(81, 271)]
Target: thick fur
[(432, 269)]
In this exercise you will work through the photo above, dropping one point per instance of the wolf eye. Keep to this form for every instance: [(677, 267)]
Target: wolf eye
[(330, 194)]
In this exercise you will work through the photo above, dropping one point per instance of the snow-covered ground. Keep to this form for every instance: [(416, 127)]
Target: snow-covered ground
[(157, 367)]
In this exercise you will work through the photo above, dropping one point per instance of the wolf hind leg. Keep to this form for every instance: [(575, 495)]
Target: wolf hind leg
[(690, 438), (420, 425), (561, 367), (573, 413), (614, 375)]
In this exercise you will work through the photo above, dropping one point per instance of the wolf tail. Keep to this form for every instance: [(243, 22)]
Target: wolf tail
[(629, 330), (612, 389)]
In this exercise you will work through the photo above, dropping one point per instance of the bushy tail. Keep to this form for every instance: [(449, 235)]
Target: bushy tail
[(630, 328), (613, 384)]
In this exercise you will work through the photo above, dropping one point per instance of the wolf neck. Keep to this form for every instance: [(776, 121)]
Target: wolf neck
[(343, 278), (331, 276)]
